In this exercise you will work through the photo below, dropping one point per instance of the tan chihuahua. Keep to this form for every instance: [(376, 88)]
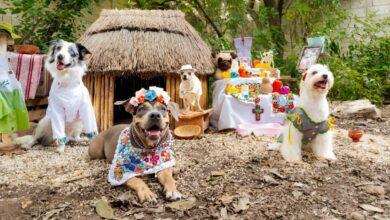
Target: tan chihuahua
[(141, 148)]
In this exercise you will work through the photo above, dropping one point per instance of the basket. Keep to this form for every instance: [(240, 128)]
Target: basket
[(188, 131), (27, 49)]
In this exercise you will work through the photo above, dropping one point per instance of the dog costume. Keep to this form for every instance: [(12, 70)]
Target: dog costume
[(309, 129), (67, 103), (13, 111), (132, 159)]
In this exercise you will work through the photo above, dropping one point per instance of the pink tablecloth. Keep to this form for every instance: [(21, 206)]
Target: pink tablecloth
[(28, 70)]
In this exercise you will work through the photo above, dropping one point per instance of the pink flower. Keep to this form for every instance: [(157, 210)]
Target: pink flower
[(155, 159)]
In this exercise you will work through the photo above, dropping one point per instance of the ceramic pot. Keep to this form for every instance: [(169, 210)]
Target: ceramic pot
[(355, 135)]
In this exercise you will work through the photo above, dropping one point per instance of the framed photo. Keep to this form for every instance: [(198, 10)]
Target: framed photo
[(309, 56)]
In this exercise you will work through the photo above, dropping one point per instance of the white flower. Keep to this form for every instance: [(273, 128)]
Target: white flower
[(140, 93), (134, 101)]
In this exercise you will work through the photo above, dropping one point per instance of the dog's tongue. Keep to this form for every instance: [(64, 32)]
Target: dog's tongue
[(60, 66), (154, 133), (321, 84)]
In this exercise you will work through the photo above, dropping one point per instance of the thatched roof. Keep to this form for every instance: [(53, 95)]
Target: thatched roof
[(146, 43)]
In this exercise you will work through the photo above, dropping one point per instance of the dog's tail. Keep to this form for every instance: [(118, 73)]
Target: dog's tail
[(26, 142)]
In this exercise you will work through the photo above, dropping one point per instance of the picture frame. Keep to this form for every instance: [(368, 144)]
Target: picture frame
[(309, 56)]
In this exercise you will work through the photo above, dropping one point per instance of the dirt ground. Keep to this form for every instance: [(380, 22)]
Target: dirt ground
[(221, 175)]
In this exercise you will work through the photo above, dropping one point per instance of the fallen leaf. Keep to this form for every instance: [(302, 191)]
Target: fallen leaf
[(243, 203), (217, 173), (270, 180), (227, 199), (276, 173), (126, 196), (182, 205), (159, 209), (52, 212), (25, 203), (371, 208), (104, 210), (139, 216), (297, 194), (224, 214), (374, 190)]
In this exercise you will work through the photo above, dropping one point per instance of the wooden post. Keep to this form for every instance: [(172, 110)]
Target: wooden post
[(111, 101)]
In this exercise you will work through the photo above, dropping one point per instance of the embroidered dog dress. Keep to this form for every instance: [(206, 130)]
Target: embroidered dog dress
[(67, 103), (13, 111), (130, 161), (309, 129)]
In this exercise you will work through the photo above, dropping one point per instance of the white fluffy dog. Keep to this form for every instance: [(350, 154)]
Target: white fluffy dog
[(309, 123), (190, 88), (70, 110)]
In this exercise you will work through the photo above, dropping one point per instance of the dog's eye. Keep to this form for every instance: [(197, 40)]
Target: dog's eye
[(58, 48), (220, 59), (314, 72), (73, 54)]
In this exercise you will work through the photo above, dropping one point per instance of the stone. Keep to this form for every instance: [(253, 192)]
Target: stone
[(362, 108)]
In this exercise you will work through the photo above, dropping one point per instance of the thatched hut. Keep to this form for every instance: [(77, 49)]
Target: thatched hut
[(132, 49)]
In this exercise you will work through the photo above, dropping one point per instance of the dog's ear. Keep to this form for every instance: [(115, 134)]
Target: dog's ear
[(214, 54), (304, 76), (233, 54), (52, 44), (174, 109), (126, 103), (82, 50)]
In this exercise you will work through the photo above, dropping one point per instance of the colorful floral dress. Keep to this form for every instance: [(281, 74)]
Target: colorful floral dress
[(130, 161), (13, 111)]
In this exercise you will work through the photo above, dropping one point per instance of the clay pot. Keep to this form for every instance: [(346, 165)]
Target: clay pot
[(26, 49), (355, 135)]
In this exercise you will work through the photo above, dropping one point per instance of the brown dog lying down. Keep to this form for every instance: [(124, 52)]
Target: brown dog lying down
[(143, 147)]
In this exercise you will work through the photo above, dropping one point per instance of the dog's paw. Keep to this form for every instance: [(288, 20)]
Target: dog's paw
[(81, 139), (60, 149), (329, 156), (146, 195), (172, 195), (273, 146)]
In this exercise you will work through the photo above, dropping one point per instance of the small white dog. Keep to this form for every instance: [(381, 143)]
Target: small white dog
[(309, 123), (70, 111), (268, 57), (190, 88)]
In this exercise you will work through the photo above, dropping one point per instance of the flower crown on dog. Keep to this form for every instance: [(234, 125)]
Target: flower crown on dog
[(152, 94)]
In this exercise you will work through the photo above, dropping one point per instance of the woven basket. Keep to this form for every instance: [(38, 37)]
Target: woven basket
[(188, 131)]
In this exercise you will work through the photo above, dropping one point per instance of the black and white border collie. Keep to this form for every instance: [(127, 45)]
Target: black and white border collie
[(70, 112)]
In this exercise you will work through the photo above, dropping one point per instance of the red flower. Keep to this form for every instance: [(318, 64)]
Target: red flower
[(275, 105), (137, 170), (282, 109), (160, 99), (141, 99)]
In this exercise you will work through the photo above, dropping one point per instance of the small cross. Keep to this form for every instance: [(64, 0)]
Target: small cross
[(257, 110)]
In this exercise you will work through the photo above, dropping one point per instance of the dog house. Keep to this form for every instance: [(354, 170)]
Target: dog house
[(131, 49)]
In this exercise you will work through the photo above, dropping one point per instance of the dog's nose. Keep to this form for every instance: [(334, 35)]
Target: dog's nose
[(60, 57), (155, 115), (325, 76), (185, 77)]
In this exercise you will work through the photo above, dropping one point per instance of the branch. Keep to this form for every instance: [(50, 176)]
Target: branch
[(219, 33), (253, 14)]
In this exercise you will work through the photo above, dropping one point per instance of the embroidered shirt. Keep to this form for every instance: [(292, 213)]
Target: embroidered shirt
[(130, 161), (306, 126)]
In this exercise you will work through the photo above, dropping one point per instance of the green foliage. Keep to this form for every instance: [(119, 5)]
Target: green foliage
[(44, 20), (362, 71)]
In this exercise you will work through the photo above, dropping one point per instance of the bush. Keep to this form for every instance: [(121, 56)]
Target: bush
[(363, 70)]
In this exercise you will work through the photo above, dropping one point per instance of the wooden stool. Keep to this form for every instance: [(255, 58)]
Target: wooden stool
[(195, 118)]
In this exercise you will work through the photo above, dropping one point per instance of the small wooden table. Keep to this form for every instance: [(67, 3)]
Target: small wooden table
[(195, 118)]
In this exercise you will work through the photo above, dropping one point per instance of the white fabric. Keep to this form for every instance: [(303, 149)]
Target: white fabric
[(8, 81), (68, 103), (229, 112)]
